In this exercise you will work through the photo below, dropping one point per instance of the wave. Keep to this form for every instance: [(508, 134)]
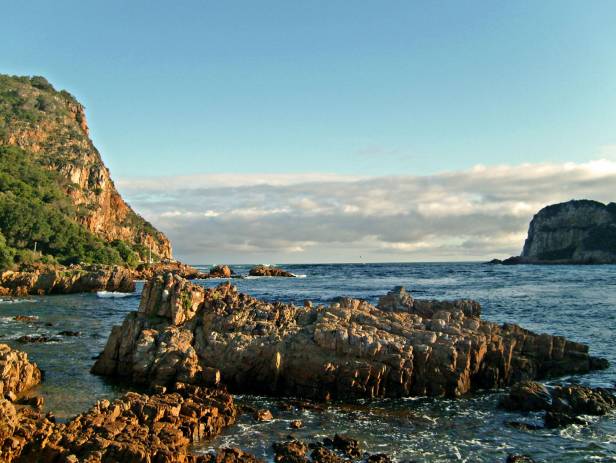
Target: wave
[(15, 301), (112, 294), (299, 275)]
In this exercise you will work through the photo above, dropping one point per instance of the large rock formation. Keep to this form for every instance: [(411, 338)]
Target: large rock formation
[(51, 127), (575, 232), (41, 280), (403, 347), (148, 271), (269, 271), (135, 428), (17, 373)]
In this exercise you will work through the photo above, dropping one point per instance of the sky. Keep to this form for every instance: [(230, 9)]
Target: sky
[(313, 131)]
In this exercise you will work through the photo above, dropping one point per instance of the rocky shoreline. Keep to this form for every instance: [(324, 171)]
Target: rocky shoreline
[(347, 350)]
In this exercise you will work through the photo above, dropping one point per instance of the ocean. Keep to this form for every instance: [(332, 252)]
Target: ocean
[(578, 302)]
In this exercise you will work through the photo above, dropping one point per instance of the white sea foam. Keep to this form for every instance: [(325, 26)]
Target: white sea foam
[(15, 301), (112, 294)]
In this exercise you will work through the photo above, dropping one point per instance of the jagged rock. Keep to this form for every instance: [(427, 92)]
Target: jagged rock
[(563, 404), (519, 459), (17, 373), (322, 454), (25, 318), (263, 415), (575, 232), (269, 271), (290, 452), (347, 445), (220, 271), (296, 424), (351, 349), (149, 271), (66, 280), (135, 428), (527, 396), (69, 333)]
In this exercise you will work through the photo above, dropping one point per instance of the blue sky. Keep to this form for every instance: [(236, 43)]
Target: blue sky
[(370, 87), (288, 131)]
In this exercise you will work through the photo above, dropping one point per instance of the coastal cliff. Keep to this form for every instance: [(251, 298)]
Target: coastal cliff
[(41, 128), (574, 232)]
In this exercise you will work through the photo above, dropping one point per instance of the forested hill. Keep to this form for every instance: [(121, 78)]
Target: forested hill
[(55, 192)]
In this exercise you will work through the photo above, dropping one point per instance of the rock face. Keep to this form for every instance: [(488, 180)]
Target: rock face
[(17, 373), (66, 280), (575, 232), (269, 271), (351, 349), (51, 126), (220, 271), (135, 428)]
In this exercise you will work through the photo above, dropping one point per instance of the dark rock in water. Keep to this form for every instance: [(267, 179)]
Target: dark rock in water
[(269, 271), (221, 271), (519, 459), (263, 415), (69, 333), (290, 452), (560, 420), (351, 349), (379, 458), (522, 426), (575, 232), (36, 339), (563, 404), (322, 454), (527, 396), (347, 445), (25, 318), (296, 424)]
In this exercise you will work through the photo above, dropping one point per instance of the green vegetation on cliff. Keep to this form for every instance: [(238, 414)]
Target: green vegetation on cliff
[(56, 195)]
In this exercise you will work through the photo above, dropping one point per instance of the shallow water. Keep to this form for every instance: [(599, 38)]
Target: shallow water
[(578, 302)]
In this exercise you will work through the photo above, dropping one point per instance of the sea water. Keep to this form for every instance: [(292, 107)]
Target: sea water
[(578, 302)]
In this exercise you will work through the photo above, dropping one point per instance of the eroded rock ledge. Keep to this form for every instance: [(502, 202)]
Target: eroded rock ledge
[(136, 428), (351, 349), (17, 373), (65, 280)]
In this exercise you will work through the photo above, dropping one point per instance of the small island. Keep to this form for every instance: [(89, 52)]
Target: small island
[(574, 232)]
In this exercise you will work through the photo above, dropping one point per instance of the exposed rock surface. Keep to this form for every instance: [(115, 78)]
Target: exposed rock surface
[(221, 271), (269, 271), (148, 271), (351, 349), (563, 404), (575, 232), (56, 133), (135, 428), (64, 280), (17, 373)]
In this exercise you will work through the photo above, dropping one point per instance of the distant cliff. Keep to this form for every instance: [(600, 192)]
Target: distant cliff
[(42, 129), (575, 232)]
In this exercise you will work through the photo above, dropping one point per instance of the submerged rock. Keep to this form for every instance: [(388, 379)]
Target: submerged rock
[(269, 271), (351, 349)]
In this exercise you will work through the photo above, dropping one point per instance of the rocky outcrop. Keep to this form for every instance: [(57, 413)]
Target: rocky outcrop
[(51, 126), (66, 280), (148, 271), (221, 271), (575, 232), (17, 373), (269, 271), (349, 349), (134, 428), (563, 404)]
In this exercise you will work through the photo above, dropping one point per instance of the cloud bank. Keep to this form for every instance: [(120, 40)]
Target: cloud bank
[(475, 214)]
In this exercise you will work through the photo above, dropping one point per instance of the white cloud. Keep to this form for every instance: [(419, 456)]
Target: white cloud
[(475, 214)]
